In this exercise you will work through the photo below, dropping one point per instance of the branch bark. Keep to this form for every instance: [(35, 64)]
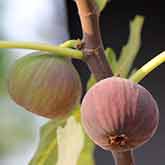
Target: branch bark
[(124, 158), (93, 47)]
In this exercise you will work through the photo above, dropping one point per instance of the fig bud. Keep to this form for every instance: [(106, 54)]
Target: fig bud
[(45, 84), (119, 115)]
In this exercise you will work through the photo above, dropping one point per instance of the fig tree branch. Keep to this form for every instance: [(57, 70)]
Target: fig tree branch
[(93, 46)]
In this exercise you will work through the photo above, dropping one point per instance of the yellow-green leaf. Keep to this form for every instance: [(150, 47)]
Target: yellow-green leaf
[(87, 154), (130, 50), (70, 142), (91, 81), (111, 58), (46, 153), (101, 4)]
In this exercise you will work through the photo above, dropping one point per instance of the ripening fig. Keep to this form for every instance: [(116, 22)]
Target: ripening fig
[(45, 84), (119, 115)]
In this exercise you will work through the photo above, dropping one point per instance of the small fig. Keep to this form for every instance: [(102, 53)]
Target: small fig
[(45, 84), (119, 115)]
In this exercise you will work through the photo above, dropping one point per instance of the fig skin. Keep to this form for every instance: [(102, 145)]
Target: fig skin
[(119, 115), (45, 84)]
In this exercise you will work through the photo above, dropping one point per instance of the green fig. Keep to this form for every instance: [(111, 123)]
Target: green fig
[(45, 84)]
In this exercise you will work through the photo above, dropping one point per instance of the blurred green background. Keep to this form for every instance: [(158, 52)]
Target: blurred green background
[(26, 21), (17, 127)]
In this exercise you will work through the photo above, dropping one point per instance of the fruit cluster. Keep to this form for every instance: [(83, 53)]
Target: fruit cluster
[(117, 114)]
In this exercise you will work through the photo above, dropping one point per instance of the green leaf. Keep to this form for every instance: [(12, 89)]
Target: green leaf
[(70, 142), (87, 154), (130, 50), (111, 58), (101, 4), (91, 81), (46, 153), (63, 142)]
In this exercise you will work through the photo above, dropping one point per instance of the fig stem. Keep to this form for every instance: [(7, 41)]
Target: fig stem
[(59, 50), (123, 158), (148, 67), (71, 44), (92, 42)]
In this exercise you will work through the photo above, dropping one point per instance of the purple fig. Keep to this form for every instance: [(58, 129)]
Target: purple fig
[(45, 84), (119, 115)]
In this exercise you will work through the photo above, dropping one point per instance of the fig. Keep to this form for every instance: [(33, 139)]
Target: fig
[(45, 84), (119, 115)]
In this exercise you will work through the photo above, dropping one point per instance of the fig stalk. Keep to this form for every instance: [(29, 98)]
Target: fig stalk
[(61, 51), (148, 67), (124, 158), (71, 44)]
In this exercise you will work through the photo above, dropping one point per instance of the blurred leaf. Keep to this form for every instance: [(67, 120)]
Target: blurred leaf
[(46, 153), (101, 4), (61, 143), (87, 154), (130, 50), (70, 142), (91, 81), (111, 58)]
